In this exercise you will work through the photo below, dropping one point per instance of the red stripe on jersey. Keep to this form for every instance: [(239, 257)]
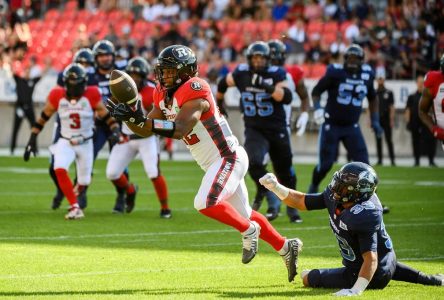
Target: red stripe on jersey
[(215, 131), (220, 180)]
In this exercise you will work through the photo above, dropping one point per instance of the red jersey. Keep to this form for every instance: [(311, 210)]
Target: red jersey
[(434, 81)]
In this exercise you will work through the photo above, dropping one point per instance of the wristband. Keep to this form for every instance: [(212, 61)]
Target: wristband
[(44, 116), (38, 126), (163, 127), (360, 285), (281, 191)]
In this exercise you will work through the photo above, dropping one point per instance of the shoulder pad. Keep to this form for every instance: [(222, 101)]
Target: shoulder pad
[(242, 67), (366, 67), (272, 69), (336, 66)]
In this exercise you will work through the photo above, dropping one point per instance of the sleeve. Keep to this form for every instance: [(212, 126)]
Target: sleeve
[(54, 97), (315, 201), (196, 88), (322, 85), (429, 82), (366, 226), (156, 97), (296, 74), (371, 92), (94, 96), (281, 75)]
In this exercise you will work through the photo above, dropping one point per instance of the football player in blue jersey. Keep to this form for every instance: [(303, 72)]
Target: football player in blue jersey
[(104, 57), (355, 214), (347, 86), (85, 58), (264, 92)]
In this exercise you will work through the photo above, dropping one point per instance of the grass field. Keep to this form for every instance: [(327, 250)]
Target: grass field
[(139, 255)]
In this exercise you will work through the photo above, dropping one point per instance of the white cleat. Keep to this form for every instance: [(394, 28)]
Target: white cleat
[(250, 243), (291, 257), (74, 214)]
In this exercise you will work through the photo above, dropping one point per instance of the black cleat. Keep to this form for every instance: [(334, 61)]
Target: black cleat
[(82, 200), (385, 209), (250, 244), (296, 219), (271, 214), (131, 200), (165, 213), (57, 200), (119, 207)]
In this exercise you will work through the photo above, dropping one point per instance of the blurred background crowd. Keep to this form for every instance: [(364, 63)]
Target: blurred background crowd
[(400, 37)]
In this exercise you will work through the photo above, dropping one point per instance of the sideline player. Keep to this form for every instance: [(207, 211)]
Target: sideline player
[(148, 148), (355, 215), (433, 97), (76, 104), (184, 108), (264, 93)]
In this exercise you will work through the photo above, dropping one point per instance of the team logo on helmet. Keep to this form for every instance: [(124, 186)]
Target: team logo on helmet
[(195, 85), (366, 181), (181, 53)]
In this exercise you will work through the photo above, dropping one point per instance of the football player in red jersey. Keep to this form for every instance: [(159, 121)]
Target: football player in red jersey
[(184, 108), (433, 96), (76, 104), (148, 148)]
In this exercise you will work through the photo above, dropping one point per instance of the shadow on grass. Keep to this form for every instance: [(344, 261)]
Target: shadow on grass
[(256, 292)]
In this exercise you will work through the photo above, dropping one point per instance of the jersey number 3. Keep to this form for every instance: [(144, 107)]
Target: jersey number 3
[(75, 121)]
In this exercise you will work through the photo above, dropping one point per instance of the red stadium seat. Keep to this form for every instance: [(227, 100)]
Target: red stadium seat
[(183, 27), (318, 70), (344, 26), (315, 27), (328, 38), (71, 5), (331, 27), (281, 27), (265, 26), (203, 69), (250, 26), (52, 15), (234, 26)]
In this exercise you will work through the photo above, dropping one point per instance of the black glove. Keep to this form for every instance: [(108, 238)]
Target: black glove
[(258, 81), (124, 112), (31, 147), (116, 136)]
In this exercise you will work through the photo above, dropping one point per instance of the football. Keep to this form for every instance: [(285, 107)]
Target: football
[(122, 87)]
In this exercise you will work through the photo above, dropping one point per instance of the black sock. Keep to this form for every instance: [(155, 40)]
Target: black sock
[(408, 274)]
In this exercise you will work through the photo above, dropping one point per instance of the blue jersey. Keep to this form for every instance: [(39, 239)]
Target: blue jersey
[(358, 229), (102, 81), (346, 92), (258, 107)]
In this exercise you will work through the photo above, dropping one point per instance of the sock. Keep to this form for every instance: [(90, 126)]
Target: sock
[(268, 233), (122, 184), (161, 190), (408, 274), (66, 185), (225, 213)]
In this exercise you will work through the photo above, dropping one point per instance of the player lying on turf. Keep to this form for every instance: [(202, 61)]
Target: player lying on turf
[(356, 220), (76, 104), (184, 108)]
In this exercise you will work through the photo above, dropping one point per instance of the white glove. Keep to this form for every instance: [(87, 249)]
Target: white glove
[(302, 123), (269, 181), (319, 116), (347, 292)]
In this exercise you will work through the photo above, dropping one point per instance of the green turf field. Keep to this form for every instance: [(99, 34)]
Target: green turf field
[(139, 255)]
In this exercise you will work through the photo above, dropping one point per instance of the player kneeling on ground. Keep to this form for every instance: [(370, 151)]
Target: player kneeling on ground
[(75, 104), (356, 220), (148, 147), (184, 108)]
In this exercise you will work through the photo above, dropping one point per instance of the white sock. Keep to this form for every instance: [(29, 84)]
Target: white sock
[(250, 229), (284, 248)]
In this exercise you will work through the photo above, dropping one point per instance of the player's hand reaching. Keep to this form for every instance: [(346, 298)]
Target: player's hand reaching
[(302, 123), (124, 112), (269, 181), (347, 292), (31, 147), (117, 137), (438, 132)]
